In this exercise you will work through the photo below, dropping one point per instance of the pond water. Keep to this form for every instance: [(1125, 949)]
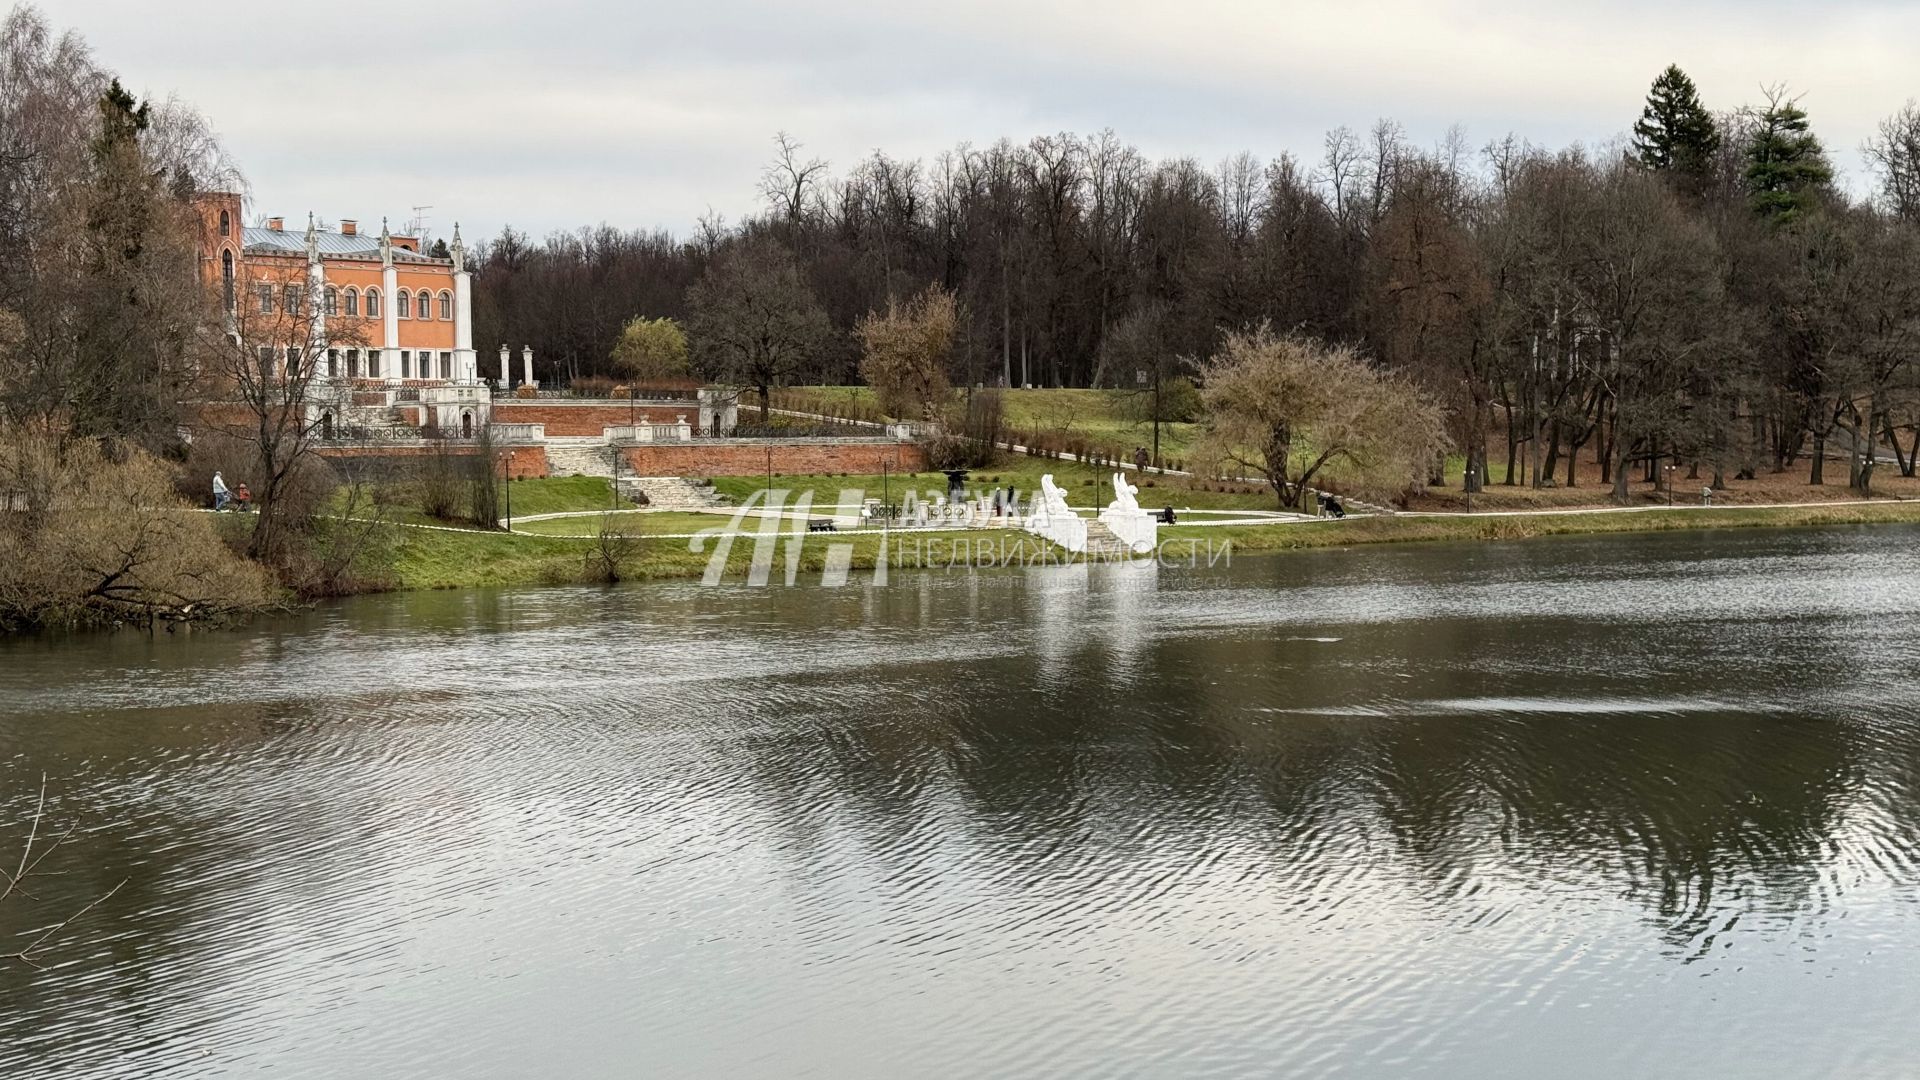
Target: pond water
[(1575, 807)]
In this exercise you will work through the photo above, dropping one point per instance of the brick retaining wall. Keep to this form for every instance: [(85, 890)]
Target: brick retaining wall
[(527, 462), (748, 457), (566, 418)]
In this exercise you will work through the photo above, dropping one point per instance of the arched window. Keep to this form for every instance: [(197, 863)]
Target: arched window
[(226, 224), (226, 276), (426, 304), (446, 306), (332, 301), (373, 303), (353, 301), (401, 302)]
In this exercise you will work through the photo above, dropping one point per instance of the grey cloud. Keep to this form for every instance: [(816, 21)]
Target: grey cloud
[(577, 111)]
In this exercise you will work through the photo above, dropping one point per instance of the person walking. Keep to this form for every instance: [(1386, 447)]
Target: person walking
[(220, 492)]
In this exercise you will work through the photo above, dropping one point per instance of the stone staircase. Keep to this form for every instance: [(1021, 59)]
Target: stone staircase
[(1102, 544), (671, 492), (582, 455)]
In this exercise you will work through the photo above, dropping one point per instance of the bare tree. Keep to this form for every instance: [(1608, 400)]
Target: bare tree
[(1893, 151), (268, 371), (754, 319), (1287, 407), (789, 183)]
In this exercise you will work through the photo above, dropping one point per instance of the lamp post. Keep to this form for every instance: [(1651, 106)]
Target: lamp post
[(1669, 471), (509, 486), (1466, 484)]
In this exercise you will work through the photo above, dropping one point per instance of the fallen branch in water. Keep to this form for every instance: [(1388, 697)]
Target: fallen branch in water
[(29, 867)]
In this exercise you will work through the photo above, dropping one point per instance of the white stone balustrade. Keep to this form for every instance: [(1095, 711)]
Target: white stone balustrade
[(679, 431), (520, 434)]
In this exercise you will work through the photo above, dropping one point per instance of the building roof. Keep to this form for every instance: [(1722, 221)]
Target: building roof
[(327, 242)]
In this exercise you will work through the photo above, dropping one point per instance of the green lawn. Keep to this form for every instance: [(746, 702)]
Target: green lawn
[(1086, 485), (652, 523), (1094, 415), (560, 494)]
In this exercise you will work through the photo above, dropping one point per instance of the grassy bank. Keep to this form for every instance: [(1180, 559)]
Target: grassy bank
[(562, 551), (1416, 528), (1086, 485), (436, 559)]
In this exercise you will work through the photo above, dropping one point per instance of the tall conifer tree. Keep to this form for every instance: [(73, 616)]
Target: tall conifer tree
[(1675, 134), (1786, 165)]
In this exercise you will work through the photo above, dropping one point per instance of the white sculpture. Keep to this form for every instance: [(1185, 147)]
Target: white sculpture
[(1054, 520), (1123, 517)]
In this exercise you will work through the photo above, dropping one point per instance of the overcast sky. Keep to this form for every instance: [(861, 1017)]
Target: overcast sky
[(639, 113)]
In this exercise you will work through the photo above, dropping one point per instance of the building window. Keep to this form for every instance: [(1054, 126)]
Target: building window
[(290, 297), (266, 361), (446, 307), (373, 363), (332, 300), (226, 224), (373, 303), (264, 292), (353, 363), (446, 366), (226, 277), (333, 363), (406, 364), (293, 362), (353, 301), (401, 302), (426, 305)]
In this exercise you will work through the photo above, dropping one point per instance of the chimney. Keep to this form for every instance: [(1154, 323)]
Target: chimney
[(349, 227), (276, 224)]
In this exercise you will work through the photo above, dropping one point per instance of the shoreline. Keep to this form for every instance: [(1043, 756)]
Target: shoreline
[(454, 559)]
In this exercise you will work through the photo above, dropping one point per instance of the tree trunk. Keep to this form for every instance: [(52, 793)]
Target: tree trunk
[(1513, 448), (1819, 474), (1619, 458)]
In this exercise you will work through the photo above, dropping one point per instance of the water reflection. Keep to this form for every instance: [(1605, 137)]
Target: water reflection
[(1555, 807)]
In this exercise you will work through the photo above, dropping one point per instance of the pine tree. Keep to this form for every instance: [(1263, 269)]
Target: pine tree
[(1675, 134), (1786, 165)]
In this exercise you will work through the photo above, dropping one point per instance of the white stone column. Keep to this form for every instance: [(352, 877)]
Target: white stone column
[(526, 365), (317, 305), (389, 314), (506, 367), (466, 364)]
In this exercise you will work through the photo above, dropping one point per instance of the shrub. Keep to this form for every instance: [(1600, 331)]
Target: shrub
[(613, 553), (526, 392), (98, 536)]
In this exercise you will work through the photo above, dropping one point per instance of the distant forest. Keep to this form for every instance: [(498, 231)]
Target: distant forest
[(1703, 275)]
